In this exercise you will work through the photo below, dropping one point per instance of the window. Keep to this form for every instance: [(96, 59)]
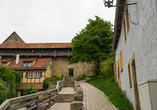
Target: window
[(124, 30), (129, 74), (21, 74), (121, 61), (29, 75), (27, 64), (4, 63), (126, 23), (50, 66), (38, 74), (127, 18)]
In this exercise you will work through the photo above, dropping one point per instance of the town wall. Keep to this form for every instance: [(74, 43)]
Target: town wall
[(60, 66)]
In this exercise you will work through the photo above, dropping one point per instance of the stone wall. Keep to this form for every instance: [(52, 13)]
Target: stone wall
[(60, 66), (141, 40)]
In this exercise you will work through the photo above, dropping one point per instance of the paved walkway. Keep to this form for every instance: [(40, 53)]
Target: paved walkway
[(95, 99), (61, 106)]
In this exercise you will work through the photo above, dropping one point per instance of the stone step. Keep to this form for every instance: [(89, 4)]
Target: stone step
[(69, 82), (62, 98)]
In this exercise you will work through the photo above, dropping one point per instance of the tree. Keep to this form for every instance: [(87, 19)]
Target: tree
[(9, 82), (94, 43)]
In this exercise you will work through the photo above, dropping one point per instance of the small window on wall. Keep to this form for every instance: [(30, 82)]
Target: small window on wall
[(27, 64), (127, 18), (121, 61), (4, 63), (125, 38), (29, 75), (129, 74), (21, 74), (50, 66), (38, 74)]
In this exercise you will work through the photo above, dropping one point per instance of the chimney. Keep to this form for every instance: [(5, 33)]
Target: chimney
[(17, 58)]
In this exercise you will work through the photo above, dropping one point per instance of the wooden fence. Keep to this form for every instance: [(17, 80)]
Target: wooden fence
[(48, 96)]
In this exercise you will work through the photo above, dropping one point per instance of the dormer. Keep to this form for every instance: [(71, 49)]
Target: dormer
[(29, 62), (6, 62)]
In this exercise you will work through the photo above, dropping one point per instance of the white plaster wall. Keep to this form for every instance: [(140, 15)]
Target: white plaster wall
[(142, 39)]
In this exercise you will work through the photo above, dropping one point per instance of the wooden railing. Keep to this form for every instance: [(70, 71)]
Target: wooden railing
[(49, 96)]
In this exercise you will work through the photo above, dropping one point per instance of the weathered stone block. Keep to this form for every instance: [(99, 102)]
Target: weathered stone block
[(76, 105), (78, 97)]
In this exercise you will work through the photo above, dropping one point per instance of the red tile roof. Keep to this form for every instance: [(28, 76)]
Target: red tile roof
[(36, 85), (41, 63), (7, 60), (23, 45)]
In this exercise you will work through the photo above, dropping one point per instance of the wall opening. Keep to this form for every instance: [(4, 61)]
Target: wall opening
[(129, 74), (136, 93), (71, 72)]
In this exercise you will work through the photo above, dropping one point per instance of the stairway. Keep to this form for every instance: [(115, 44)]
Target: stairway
[(67, 93), (69, 82)]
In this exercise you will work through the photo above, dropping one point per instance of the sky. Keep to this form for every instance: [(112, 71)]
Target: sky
[(49, 21)]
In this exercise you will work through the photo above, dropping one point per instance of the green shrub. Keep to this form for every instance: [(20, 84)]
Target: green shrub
[(9, 79), (29, 90), (52, 80), (80, 78), (83, 75), (3, 91)]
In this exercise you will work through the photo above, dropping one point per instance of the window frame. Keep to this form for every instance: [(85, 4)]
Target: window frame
[(30, 75), (38, 74), (27, 64)]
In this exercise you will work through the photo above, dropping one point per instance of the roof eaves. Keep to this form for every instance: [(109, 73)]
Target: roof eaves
[(118, 22)]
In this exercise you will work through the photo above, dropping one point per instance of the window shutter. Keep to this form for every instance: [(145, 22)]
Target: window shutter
[(40, 74), (121, 61), (26, 75), (35, 74), (21, 75), (31, 75)]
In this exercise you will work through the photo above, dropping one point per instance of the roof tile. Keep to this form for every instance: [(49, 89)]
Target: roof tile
[(34, 45)]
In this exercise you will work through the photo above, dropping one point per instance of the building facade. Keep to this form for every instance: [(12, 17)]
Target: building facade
[(135, 37), (36, 61)]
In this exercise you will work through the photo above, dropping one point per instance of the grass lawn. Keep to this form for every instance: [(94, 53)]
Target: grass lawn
[(112, 91)]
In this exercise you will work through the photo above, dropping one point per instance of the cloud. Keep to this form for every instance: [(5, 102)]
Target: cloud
[(49, 20)]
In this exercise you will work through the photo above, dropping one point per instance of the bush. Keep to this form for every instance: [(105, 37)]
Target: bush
[(52, 80), (9, 79), (80, 78), (29, 90), (3, 91)]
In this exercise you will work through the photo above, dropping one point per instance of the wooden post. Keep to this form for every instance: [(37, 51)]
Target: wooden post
[(49, 103), (37, 102)]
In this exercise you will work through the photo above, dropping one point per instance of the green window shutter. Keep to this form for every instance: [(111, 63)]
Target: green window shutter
[(21, 74), (26, 75), (35, 74), (31, 75), (40, 74)]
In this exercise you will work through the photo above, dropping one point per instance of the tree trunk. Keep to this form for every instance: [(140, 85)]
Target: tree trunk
[(98, 69)]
